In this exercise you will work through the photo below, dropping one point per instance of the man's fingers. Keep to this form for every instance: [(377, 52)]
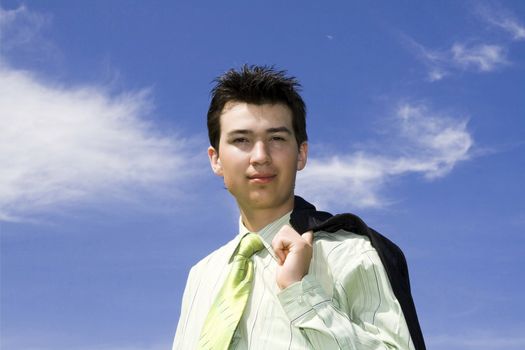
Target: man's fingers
[(280, 255), (281, 247), (286, 239), (294, 252), (309, 237)]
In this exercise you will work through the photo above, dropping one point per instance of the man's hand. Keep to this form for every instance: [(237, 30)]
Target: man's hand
[(294, 253)]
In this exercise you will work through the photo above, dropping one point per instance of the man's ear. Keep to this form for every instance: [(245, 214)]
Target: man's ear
[(215, 161), (303, 155)]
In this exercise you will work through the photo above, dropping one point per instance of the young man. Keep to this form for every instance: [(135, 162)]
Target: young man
[(290, 289)]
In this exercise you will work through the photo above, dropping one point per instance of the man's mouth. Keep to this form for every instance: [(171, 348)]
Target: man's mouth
[(261, 178)]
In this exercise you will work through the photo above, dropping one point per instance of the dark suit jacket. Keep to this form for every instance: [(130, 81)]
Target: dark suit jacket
[(305, 217)]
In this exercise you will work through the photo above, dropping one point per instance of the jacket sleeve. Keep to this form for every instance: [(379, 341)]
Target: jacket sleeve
[(362, 313)]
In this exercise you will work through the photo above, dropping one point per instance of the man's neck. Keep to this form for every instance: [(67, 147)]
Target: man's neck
[(256, 219)]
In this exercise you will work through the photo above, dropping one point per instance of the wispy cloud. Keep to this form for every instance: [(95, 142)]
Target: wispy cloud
[(63, 143), (20, 26), (503, 19), (38, 340), (482, 58), (460, 57), (426, 143), (487, 340), (94, 347), (486, 55), (21, 31)]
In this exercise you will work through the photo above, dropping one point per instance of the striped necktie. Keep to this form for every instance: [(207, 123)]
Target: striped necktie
[(229, 304)]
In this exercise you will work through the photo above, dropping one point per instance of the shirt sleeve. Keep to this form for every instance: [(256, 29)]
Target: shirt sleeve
[(184, 313), (362, 313)]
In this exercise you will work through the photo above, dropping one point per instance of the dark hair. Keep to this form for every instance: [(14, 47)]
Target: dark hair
[(256, 85)]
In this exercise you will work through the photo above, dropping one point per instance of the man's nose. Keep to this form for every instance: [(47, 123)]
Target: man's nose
[(260, 153)]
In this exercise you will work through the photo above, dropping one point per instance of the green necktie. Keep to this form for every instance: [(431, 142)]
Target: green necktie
[(229, 305)]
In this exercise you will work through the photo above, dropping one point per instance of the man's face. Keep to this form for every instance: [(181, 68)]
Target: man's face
[(258, 155)]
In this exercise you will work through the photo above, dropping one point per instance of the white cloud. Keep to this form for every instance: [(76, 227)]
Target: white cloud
[(49, 340), (21, 31), (436, 74), (513, 27), (487, 340), (63, 144), (20, 26), (503, 19), (93, 347), (469, 55), (460, 57), (425, 143), (483, 58), (436, 61)]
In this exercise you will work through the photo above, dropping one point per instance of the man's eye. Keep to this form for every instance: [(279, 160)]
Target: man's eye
[(278, 138), (240, 140)]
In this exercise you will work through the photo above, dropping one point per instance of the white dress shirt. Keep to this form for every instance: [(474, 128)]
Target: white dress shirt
[(344, 302)]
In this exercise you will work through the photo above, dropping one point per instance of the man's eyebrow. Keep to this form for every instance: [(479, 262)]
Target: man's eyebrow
[(269, 130), (240, 131), (279, 129)]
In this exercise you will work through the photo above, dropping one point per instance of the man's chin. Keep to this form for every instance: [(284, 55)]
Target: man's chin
[(265, 202)]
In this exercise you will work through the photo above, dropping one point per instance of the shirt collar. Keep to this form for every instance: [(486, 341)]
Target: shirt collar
[(267, 233)]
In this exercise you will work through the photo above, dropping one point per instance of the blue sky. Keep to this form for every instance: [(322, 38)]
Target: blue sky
[(416, 122)]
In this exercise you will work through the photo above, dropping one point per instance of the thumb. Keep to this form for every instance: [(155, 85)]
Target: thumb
[(308, 237)]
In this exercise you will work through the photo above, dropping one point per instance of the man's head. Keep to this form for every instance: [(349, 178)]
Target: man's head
[(258, 138), (256, 85)]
